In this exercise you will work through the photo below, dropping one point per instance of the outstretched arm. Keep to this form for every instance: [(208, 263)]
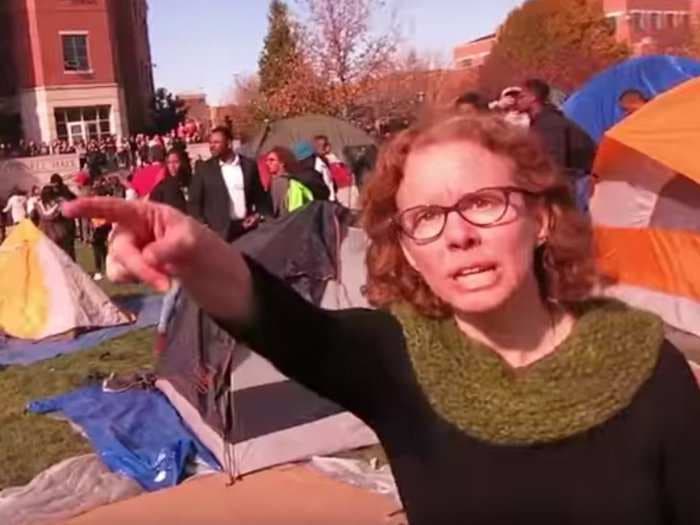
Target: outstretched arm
[(347, 356), (153, 243)]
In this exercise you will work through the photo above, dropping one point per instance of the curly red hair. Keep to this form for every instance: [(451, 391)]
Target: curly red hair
[(564, 266)]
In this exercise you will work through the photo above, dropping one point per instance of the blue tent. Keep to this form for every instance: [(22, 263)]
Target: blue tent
[(594, 107)]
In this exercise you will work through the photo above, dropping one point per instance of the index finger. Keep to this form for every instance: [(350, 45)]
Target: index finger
[(128, 213)]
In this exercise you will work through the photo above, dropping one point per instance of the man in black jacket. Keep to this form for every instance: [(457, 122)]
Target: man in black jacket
[(569, 145), (226, 193)]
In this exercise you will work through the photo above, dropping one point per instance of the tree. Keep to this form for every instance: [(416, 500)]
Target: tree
[(415, 83), (280, 52), (167, 110), (302, 92), (345, 48), (562, 41)]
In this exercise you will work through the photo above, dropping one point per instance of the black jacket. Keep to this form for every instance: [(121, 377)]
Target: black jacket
[(169, 191), (210, 202), (569, 146), (313, 180)]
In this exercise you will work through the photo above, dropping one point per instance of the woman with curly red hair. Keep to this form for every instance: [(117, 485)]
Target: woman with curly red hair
[(499, 391)]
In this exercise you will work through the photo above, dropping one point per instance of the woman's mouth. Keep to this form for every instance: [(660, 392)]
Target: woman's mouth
[(477, 276)]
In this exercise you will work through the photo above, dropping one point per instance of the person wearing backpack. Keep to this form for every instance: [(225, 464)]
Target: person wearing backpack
[(292, 186)]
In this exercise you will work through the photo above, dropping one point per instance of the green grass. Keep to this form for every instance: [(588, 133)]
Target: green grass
[(31, 443)]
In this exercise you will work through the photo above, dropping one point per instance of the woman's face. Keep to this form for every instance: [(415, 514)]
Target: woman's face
[(473, 269), (274, 166), (173, 164)]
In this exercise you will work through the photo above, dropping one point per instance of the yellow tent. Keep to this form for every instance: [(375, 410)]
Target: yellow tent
[(646, 207), (43, 293)]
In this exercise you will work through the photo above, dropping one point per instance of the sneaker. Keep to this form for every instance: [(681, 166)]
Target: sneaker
[(115, 384), (98, 276)]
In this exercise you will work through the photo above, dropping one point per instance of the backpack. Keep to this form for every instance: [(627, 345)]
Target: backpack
[(298, 195)]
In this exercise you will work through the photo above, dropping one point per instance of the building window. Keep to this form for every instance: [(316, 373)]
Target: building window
[(611, 22), (637, 21), (670, 20), (75, 52), (466, 62), (82, 123), (657, 21)]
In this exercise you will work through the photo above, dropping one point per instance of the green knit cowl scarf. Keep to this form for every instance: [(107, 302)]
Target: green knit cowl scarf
[(593, 375)]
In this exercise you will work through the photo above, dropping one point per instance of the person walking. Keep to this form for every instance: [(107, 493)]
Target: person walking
[(16, 206), (226, 193), (173, 191)]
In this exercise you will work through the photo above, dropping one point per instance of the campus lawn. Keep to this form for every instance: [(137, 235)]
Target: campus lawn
[(31, 443)]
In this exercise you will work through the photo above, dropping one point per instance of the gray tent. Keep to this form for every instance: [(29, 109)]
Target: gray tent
[(289, 131), (247, 413)]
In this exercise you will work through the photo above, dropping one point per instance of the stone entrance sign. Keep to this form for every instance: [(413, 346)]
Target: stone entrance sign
[(25, 172)]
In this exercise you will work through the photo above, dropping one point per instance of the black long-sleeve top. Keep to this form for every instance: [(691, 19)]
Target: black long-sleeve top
[(640, 467)]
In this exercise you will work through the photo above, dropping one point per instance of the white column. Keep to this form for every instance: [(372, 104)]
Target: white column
[(118, 121), (37, 115)]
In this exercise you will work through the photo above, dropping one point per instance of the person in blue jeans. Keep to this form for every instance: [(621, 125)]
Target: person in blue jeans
[(173, 191)]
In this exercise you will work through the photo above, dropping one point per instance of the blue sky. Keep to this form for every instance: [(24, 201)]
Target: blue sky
[(201, 45)]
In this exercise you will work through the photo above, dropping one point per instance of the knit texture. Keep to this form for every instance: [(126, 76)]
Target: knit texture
[(593, 375)]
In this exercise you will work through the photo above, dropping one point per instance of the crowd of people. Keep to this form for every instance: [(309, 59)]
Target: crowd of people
[(232, 194), (124, 152)]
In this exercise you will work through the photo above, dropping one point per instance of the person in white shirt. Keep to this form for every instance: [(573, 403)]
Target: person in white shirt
[(32, 202), (226, 192), (323, 152), (130, 194), (16, 206), (308, 159)]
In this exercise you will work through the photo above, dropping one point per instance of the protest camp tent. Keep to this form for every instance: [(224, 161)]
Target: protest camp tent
[(645, 207), (43, 293), (288, 132), (595, 106), (353, 146), (245, 411)]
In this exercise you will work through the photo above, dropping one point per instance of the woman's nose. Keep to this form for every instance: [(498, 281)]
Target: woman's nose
[(460, 234)]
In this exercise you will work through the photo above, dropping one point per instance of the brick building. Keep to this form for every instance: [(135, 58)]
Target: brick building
[(647, 26), (74, 69), (197, 108), (473, 54), (651, 26)]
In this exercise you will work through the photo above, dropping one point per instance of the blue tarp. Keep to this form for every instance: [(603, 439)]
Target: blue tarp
[(16, 352), (595, 106), (136, 433)]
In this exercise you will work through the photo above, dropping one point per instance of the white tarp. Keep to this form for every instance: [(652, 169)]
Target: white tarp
[(63, 491)]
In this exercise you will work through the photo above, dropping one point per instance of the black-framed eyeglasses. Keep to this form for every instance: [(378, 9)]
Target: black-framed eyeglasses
[(483, 208)]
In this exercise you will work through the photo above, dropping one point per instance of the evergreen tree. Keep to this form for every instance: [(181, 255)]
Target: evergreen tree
[(167, 111), (280, 53)]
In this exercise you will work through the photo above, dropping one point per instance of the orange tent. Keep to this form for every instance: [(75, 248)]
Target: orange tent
[(645, 207)]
